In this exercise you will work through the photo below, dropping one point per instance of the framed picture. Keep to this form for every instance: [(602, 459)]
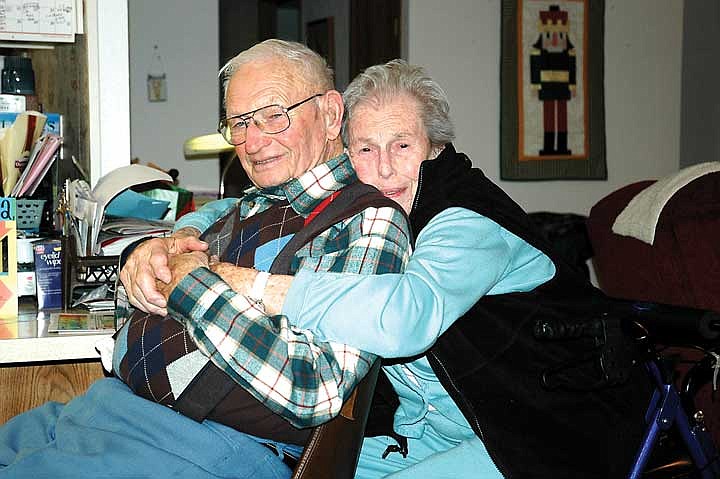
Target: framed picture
[(320, 37), (552, 123)]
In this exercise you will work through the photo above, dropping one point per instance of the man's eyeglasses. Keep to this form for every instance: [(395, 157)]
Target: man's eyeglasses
[(269, 119)]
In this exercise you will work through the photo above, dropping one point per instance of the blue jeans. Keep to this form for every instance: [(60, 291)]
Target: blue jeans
[(110, 432)]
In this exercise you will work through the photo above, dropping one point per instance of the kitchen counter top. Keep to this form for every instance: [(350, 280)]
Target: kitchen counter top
[(29, 337)]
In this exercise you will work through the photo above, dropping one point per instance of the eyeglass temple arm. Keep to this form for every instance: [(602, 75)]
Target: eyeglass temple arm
[(229, 157)]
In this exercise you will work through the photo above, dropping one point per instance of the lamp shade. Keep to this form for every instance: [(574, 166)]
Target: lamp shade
[(206, 145), (210, 145)]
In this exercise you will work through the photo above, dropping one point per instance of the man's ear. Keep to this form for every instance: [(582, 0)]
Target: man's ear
[(333, 113)]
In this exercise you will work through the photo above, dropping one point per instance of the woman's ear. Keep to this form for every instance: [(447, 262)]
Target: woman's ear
[(333, 112)]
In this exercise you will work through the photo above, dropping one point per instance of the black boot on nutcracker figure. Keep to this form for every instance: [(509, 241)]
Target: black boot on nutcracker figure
[(552, 74)]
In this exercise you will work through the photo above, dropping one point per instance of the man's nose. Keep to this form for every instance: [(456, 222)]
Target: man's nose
[(255, 139)]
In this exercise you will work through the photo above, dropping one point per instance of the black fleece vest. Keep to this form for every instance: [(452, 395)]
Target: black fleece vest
[(492, 365)]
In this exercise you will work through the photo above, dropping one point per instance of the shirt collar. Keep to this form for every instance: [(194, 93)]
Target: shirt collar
[(308, 190)]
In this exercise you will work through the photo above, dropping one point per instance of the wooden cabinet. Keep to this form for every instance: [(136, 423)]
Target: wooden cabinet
[(88, 83), (62, 87)]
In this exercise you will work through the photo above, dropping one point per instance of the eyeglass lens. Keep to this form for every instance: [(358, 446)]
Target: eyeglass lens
[(270, 119)]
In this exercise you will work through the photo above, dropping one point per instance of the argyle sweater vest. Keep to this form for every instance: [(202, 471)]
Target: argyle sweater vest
[(162, 361), (163, 364)]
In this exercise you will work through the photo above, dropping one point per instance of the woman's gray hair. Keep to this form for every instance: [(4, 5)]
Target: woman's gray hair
[(311, 67), (397, 77)]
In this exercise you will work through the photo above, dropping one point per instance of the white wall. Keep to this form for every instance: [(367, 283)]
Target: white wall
[(643, 52), (459, 43), (107, 37), (186, 32), (699, 141)]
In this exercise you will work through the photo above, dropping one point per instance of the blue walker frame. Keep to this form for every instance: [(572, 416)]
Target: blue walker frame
[(665, 411)]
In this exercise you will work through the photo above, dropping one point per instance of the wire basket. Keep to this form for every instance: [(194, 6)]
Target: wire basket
[(29, 214), (81, 272)]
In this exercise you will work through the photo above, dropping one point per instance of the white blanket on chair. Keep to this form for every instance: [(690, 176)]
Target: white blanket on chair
[(640, 217)]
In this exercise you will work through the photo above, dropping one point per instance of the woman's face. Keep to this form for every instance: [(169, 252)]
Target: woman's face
[(387, 143)]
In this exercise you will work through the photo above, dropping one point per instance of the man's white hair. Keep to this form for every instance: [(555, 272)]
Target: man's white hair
[(311, 68)]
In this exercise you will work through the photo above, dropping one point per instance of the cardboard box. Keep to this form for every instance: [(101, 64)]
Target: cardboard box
[(8, 269), (48, 273), (52, 124)]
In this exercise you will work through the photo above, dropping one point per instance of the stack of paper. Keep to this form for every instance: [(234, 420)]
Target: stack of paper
[(85, 208), (117, 233), (97, 299), (39, 162), (16, 143), (130, 226)]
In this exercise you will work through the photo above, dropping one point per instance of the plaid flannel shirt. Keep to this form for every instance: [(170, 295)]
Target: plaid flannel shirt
[(285, 368)]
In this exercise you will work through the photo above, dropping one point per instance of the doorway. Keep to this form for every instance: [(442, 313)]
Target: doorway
[(364, 33), (375, 33)]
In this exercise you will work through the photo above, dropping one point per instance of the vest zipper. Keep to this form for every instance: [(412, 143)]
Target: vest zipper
[(468, 406), (470, 411), (419, 188), (475, 423), (473, 420)]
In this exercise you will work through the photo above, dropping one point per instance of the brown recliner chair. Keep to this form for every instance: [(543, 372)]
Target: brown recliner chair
[(681, 267), (333, 449)]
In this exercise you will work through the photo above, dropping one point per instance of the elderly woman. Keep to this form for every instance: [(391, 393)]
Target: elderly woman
[(470, 391)]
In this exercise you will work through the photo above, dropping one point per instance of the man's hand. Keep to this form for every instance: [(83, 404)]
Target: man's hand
[(149, 262), (179, 266)]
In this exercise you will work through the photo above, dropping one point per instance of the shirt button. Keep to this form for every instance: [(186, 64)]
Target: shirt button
[(251, 204)]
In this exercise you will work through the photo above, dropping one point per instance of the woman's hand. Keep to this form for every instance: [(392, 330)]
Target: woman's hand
[(180, 265), (238, 278), (241, 281)]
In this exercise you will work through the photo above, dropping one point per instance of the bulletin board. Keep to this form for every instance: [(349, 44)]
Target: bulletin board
[(40, 20)]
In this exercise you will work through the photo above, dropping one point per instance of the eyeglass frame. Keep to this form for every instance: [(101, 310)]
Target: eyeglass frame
[(247, 117)]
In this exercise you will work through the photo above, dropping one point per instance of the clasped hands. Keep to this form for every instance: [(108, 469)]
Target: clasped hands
[(156, 266)]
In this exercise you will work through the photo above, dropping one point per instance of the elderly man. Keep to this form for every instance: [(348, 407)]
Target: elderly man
[(284, 119)]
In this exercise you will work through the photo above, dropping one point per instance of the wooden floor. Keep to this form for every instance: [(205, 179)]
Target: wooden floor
[(27, 386)]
